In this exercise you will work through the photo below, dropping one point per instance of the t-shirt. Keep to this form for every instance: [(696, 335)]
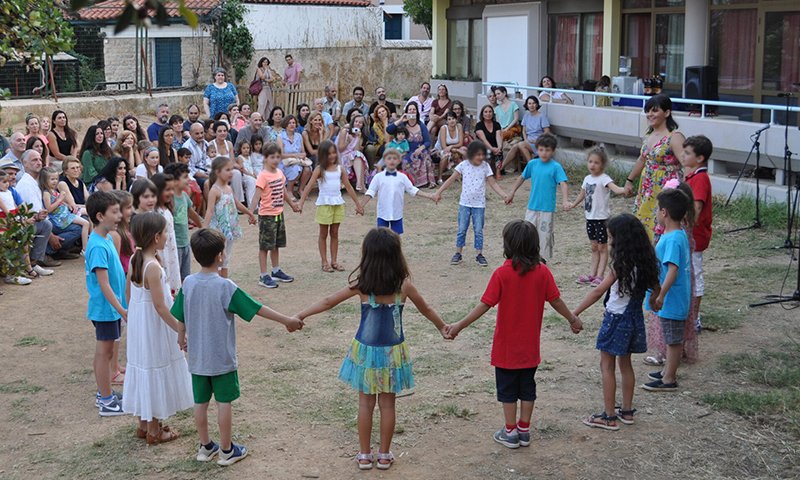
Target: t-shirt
[(206, 304), (390, 190), (101, 254), (272, 185), (391, 106), (180, 217), (544, 177), (141, 170), (291, 75), (673, 247), (701, 190), (491, 137), (520, 307), (402, 146), (596, 203), (29, 190), (505, 117), (153, 130), (534, 125), (473, 183)]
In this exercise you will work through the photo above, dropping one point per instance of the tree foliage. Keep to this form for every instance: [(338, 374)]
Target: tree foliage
[(420, 12), (142, 14), (232, 36), (30, 30), (16, 236)]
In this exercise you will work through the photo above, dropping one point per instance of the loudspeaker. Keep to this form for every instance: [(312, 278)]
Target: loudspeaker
[(702, 83)]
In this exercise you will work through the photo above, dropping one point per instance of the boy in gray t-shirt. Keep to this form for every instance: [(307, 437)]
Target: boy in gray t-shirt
[(206, 305)]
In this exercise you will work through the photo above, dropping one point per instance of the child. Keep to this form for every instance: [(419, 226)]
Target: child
[(182, 213), (476, 173), (123, 243), (256, 158), (596, 195), (520, 287), (151, 164), (193, 188), (634, 270), (165, 187), (670, 304), (378, 364), (268, 199), (221, 213), (55, 203), (7, 204), (244, 164), (206, 305), (184, 155), (545, 174), (330, 176), (145, 196), (211, 151), (399, 141), (105, 282), (391, 186), (158, 383), (604, 86)]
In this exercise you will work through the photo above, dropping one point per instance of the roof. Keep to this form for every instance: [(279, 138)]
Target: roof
[(330, 3), (111, 9)]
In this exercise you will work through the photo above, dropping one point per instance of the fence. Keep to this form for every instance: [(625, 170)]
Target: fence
[(290, 98)]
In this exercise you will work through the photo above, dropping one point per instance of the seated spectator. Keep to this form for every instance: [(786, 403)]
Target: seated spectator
[(487, 130), (9, 202), (95, 153), (192, 116), (256, 127), (151, 164), (451, 147), (115, 174), (549, 96), (245, 111), (534, 123), (199, 162), (327, 119), (113, 135), (302, 116), (439, 107), (463, 119), (70, 181), (162, 119), (126, 148), (351, 142), (166, 146), (62, 138), (33, 130), (275, 122), (423, 101), (294, 162), (331, 105), (313, 135), (131, 123), (4, 146), (176, 122), (106, 126), (380, 99), (357, 103), (507, 115), (377, 138), (417, 162), (35, 143), (14, 153)]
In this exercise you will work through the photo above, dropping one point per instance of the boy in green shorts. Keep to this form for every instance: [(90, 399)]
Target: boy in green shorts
[(205, 306)]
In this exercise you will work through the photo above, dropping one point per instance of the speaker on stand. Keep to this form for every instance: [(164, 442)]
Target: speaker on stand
[(702, 83)]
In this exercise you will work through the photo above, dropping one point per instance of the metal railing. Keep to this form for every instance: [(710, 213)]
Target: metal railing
[(687, 101)]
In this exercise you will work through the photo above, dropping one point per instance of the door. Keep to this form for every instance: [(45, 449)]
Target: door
[(168, 62)]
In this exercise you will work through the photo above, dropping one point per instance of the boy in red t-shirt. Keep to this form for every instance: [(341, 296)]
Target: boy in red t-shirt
[(520, 288), (696, 152)]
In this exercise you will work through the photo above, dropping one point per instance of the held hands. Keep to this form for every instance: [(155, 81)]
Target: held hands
[(575, 324), (296, 208), (437, 197), (182, 341), (294, 324), (252, 218), (359, 209), (628, 188), (450, 331), (656, 302), (509, 199), (566, 206)]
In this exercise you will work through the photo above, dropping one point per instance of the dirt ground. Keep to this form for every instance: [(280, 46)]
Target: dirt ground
[(298, 420)]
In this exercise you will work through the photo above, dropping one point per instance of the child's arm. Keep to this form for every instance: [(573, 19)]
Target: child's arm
[(153, 278), (290, 200), (309, 186), (212, 202), (517, 183), (240, 206), (366, 200), (256, 197), (581, 197), (194, 216), (327, 303), (564, 195), (429, 196), (497, 188), (657, 300), (446, 185), (426, 310), (108, 293), (596, 294), (616, 189), (291, 323), (3, 207), (561, 307), (476, 313), (350, 191), (48, 205)]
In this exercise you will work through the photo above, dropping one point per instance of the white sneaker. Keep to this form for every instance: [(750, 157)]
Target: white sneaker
[(44, 272), (18, 280)]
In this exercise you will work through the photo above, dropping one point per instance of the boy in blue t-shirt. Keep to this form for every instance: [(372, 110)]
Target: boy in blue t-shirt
[(671, 301), (105, 281), (545, 175)]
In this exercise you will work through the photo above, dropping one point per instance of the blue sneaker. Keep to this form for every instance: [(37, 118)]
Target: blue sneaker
[(524, 438), (97, 401), (481, 260), (206, 454), (267, 282), (237, 453), (510, 440), (656, 375), (279, 276), (457, 258), (112, 408)]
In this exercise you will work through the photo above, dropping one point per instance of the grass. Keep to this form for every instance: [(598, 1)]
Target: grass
[(742, 211), (20, 386), (577, 171), (32, 341)]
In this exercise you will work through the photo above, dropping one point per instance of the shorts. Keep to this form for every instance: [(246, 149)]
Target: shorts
[(329, 214), (515, 384), (543, 221), (225, 387), (395, 225), (673, 330), (596, 230), (622, 334), (271, 232), (107, 331), (697, 266)]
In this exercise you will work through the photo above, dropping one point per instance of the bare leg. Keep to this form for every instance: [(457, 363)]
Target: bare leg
[(386, 405), (607, 365), (262, 261), (323, 245), (527, 151), (225, 420), (102, 360), (114, 367), (525, 411), (603, 263), (290, 186), (201, 422), (305, 176), (510, 413), (628, 381), (366, 407), (335, 243), (444, 162), (673, 360), (511, 157), (358, 167), (595, 259), (274, 256)]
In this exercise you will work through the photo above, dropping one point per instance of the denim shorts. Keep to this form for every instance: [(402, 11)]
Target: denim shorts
[(107, 331), (395, 225), (622, 334)]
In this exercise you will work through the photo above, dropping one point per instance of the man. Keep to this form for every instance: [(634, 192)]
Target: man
[(162, 117), (423, 100), (193, 113), (293, 73), (15, 151), (380, 95), (327, 120), (256, 127), (331, 105), (357, 102), (198, 165)]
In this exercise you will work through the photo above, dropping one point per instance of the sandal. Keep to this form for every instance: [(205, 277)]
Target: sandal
[(31, 273), (337, 267), (170, 436), (602, 420), (327, 268), (389, 456), (118, 379), (365, 457), (140, 433), (653, 361), (621, 414)]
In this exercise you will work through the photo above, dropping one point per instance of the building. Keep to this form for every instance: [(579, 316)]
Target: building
[(397, 25)]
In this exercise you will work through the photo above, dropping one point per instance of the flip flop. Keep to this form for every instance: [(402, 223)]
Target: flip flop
[(653, 362), (337, 267), (327, 268), (118, 379)]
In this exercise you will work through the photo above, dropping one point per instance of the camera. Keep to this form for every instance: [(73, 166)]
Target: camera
[(355, 131)]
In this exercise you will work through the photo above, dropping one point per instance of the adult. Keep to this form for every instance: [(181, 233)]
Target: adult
[(378, 137), (439, 108), (256, 128), (327, 119), (534, 124), (62, 137), (116, 175), (162, 119), (126, 148), (192, 116), (275, 122), (265, 96), (224, 148), (208, 127), (357, 103), (4, 146), (95, 153), (452, 149), (550, 96), (15, 151), (313, 135), (350, 143), (423, 101), (35, 143), (197, 145), (658, 161), (106, 126), (33, 128), (131, 123), (331, 105), (507, 115), (303, 111), (380, 99), (293, 156), (418, 158), (463, 119), (487, 130), (176, 122), (293, 73), (219, 94), (167, 153), (70, 181), (243, 120), (491, 98)]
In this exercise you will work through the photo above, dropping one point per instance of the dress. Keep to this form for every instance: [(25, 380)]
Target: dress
[(350, 155), (660, 166), (219, 98), (419, 165), (157, 380), (61, 217), (169, 255), (379, 360), (265, 96), (226, 218), (292, 172)]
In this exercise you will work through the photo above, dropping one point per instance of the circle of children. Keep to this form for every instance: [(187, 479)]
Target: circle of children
[(140, 198)]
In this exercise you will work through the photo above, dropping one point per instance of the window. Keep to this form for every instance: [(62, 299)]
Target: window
[(653, 34), (577, 47), (669, 46), (781, 51), (392, 26), (465, 48), (732, 47)]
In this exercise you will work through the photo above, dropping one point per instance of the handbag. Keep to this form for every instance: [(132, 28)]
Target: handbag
[(255, 85)]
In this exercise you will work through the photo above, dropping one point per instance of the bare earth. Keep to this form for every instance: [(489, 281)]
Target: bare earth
[(298, 420)]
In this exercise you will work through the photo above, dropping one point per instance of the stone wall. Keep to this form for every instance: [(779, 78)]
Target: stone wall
[(120, 59)]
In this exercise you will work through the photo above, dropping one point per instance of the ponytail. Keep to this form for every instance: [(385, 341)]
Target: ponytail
[(137, 265), (144, 228)]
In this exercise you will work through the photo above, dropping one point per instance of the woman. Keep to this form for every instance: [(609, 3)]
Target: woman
[(243, 119), (303, 111), (264, 74), (218, 95), (70, 181), (487, 131), (452, 148), (62, 138), (33, 129), (95, 153), (294, 164), (441, 104), (491, 98), (534, 123), (463, 119), (378, 138), (106, 126), (417, 161), (131, 123), (115, 174), (275, 123), (166, 146), (314, 134), (554, 97), (507, 115), (658, 162), (350, 142), (126, 148), (36, 143), (114, 135)]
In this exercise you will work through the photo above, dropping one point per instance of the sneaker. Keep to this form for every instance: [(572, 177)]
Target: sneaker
[(267, 282), (655, 375), (279, 276), (98, 402), (481, 260), (457, 258), (524, 438), (699, 323), (41, 271), (660, 386), (49, 262), (237, 453), (510, 440), (112, 408), (584, 280), (18, 280), (206, 454)]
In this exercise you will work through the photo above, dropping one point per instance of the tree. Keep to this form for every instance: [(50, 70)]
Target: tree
[(142, 14), (420, 12), (232, 37), (31, 31)]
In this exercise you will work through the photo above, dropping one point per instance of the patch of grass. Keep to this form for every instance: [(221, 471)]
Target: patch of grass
[(286, 367), (777, 369), (32, 341), (20, 408), (20, 386), (742, 211), (733, 288), (450, 410)]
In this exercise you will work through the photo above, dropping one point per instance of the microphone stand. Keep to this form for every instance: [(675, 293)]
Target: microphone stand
[(755, 148), (787, 169)]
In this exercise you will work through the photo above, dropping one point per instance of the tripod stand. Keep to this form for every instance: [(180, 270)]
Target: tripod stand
[(787, 168), (755, 148)]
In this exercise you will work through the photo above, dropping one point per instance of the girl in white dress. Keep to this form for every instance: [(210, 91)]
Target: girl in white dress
[(165, 185), (157, 382)]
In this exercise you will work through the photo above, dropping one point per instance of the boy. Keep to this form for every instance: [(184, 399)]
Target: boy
[(182, 213), (205, 306), (671, 302), (476, 173), (184, 155), (519, 288), (271, 193), (696, 152), (399, 141), (105, 281), (545, 174), (194, 189), (391, 187)]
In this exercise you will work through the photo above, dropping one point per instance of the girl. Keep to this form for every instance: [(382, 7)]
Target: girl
[(451, 144), (351, 144), (596, 195), (158, 384), (222, 207), (123, 242), (330, 176), (256, 158), (378, 363), (151, 164), (145, 196), (55, 202), (165, 190), (634, 270), (244, 164)]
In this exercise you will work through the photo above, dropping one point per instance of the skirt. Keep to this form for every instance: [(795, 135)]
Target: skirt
[(374, 370)]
